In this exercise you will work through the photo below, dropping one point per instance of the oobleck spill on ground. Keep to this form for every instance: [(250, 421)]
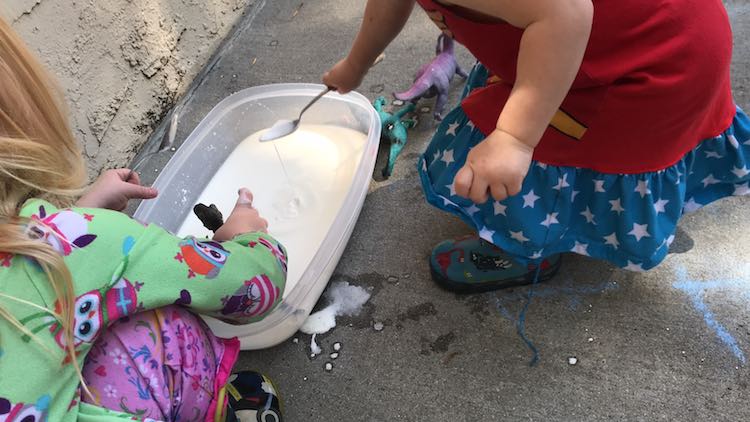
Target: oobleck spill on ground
[(343, 300)]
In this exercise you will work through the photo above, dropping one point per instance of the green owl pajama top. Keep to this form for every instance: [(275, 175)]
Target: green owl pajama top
[(119, 267)]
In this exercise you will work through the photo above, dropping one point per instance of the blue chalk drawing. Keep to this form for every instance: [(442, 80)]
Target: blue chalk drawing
[(696, 291), (573, 292)]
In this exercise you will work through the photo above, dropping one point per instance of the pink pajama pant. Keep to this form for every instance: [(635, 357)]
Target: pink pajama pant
[(163, 364)]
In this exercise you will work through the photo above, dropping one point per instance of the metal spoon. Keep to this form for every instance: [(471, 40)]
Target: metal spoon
[(284, 127)]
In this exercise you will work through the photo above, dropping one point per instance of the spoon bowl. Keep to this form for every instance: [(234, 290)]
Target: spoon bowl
[(279, 129), (284, 127)]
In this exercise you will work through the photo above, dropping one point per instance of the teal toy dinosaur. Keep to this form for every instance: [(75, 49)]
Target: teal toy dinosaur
[(394, 129)]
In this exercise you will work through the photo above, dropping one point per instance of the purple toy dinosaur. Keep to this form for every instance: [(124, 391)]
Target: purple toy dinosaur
[(434, 78)]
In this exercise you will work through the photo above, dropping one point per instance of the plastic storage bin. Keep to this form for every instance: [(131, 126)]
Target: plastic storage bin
[(235, 118)]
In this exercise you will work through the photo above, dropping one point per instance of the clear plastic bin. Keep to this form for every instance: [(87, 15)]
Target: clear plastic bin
[(183, 179)]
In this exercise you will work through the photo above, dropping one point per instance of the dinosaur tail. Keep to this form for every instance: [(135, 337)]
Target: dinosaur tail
[(419, 88)]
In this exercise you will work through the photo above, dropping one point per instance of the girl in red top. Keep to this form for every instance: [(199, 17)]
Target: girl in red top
[(587, 126)]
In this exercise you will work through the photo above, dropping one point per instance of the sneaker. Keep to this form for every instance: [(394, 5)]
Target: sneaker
[(473, 265), (252, 398)]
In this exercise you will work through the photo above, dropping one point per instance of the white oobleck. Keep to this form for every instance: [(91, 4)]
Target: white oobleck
[(299, 190)]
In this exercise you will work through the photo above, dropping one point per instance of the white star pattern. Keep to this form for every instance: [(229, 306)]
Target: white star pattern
[(518, 236), (691, 205), (448, 157), (551, 219), (529, 199), (742, 190), (642, 188), (617, 206), (601, 219), (499, 208), (452, 188), (639, 231), (473, 209), (632, 266), (562, 182), (659, 205), (581, 248), (712, 154), (452, 129), (612, 240), (710, 180), (487, 234), (590, 218)]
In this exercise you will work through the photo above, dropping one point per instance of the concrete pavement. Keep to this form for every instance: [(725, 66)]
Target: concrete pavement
[(671, 344)]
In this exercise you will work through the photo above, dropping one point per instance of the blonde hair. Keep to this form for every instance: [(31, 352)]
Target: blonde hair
[(39, 158)]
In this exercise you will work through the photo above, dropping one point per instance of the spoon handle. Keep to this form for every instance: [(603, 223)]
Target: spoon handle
[(314, 100)]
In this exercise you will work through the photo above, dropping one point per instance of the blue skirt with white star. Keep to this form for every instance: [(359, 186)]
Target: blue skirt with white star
[(628, 219)]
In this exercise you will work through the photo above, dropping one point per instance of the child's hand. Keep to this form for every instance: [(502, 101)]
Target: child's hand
[(498, 165), (113, 189), (243, 219), (344, 76)]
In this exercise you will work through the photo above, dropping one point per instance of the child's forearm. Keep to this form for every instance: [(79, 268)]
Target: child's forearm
[(555, 37), (383, 20), (549, 58)]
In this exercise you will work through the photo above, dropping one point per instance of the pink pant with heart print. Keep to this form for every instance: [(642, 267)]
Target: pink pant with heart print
[(163, 364)]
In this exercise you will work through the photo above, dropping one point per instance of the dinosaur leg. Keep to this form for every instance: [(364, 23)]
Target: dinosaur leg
[(460, 72), (442, 99), (443, 87), (430, 92), (379, 103)]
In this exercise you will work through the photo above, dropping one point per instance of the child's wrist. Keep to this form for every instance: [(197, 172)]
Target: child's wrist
[(356, 64), (509, 137)]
